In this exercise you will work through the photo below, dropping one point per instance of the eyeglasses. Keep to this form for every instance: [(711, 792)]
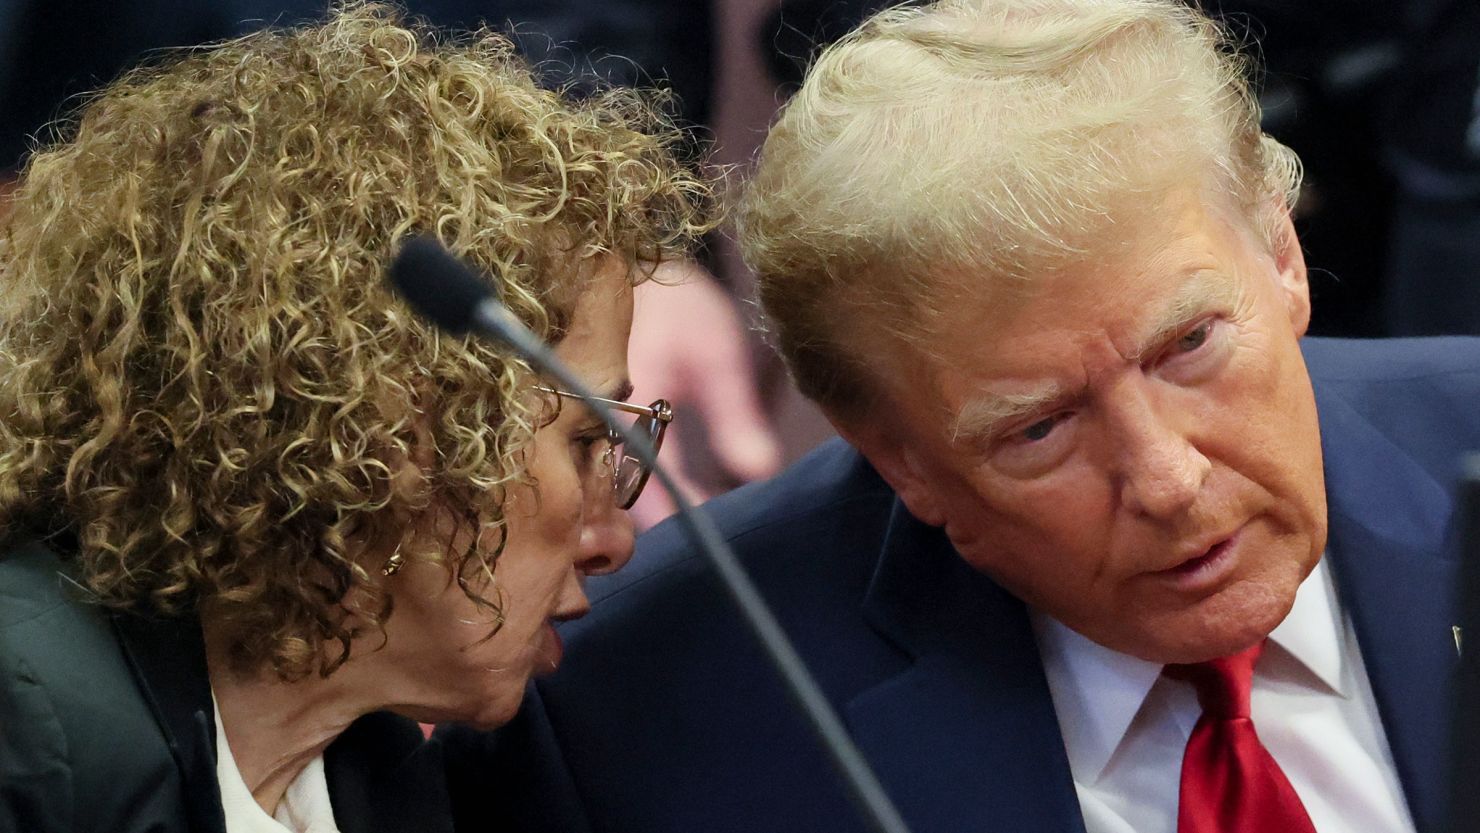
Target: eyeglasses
[(629, 472)]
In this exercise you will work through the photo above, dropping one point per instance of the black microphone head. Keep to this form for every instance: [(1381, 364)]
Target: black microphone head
[(438, 285)]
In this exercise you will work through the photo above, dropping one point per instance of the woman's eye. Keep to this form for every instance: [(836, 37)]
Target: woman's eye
[(586, 446)]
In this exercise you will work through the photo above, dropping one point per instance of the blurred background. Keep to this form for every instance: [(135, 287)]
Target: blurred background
[(1381, 99)]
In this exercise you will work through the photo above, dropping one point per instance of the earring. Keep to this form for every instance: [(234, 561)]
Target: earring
[(393, 564)]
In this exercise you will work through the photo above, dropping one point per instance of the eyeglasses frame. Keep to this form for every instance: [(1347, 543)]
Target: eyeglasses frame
[(660, 411)]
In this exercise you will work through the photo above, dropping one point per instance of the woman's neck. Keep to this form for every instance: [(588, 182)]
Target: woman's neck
[(275, 727)]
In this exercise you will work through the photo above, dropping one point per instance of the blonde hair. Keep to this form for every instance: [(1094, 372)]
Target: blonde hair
[(937, 147), (202, 377)]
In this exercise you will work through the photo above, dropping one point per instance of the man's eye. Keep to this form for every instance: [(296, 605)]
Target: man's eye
[(1194, 338), (1040, 429)]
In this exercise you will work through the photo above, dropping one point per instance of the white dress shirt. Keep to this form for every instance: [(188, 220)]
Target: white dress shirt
[(1125, 726), (305, 807)]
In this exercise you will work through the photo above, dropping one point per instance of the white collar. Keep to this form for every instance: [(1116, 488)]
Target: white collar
[(1097, 692), (305, 807)]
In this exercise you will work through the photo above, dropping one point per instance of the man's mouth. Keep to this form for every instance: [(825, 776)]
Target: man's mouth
[(1206, 567), (1192, 565)]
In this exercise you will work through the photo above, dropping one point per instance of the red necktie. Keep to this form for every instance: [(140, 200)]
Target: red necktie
[(1230, 783)]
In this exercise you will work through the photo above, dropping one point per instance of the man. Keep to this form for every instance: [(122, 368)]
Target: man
[(1104, 558)]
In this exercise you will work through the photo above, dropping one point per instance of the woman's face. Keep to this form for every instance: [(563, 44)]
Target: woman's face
[(559, 532)]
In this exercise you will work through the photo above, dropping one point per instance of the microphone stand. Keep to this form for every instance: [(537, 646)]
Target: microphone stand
[(492, 319), (443, 289)]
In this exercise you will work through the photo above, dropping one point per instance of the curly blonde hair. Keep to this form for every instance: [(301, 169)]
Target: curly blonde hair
[(201, 376)]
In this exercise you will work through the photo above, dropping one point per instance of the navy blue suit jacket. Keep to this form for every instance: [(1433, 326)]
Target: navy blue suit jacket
[(666, 716)]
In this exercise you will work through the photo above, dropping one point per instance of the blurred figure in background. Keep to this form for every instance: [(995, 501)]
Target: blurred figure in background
[(692, 343), (1379, 98), (1382, 102)]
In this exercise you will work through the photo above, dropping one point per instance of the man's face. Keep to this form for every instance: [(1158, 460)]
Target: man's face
[(1130, 447)]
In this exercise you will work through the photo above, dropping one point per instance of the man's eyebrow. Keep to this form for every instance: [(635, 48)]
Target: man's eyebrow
[(984, 416), (1203, 290)]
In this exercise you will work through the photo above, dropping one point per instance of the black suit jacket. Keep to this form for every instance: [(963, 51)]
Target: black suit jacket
[(106, 724)]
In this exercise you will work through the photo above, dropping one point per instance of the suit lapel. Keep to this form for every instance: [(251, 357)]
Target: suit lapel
[(966, 737), (167, 658), (1389, 520), (382, 777), (385, 778)]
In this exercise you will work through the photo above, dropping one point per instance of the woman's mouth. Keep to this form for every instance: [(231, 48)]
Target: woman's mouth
[(549, 649)]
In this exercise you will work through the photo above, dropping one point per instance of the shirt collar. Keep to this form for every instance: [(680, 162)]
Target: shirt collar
[(1312, 632), (1097, 692), (306, 806)]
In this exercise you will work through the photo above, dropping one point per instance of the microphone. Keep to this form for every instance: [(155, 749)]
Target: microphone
[(444, 290)]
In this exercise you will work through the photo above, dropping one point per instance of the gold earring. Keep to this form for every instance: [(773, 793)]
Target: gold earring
[(393, 564)]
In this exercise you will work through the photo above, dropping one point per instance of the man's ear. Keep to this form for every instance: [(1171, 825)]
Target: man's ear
[(1289, 263), (900, 467)]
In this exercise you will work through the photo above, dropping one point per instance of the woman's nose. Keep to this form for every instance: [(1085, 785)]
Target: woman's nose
[(607, 537)]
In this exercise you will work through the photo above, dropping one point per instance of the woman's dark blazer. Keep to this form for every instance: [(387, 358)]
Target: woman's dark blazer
[(106, 724)]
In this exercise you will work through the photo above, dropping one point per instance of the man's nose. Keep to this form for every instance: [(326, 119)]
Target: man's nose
[(607, 537), (1162, 470)]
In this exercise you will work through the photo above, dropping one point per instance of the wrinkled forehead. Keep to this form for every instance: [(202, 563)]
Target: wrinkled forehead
[(1153, 272)]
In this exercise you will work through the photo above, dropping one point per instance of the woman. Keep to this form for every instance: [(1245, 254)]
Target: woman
[(259, 518)]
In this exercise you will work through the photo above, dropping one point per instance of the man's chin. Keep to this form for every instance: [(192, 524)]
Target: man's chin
[(1211, 646), (1200, 635), (1245, 610)]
